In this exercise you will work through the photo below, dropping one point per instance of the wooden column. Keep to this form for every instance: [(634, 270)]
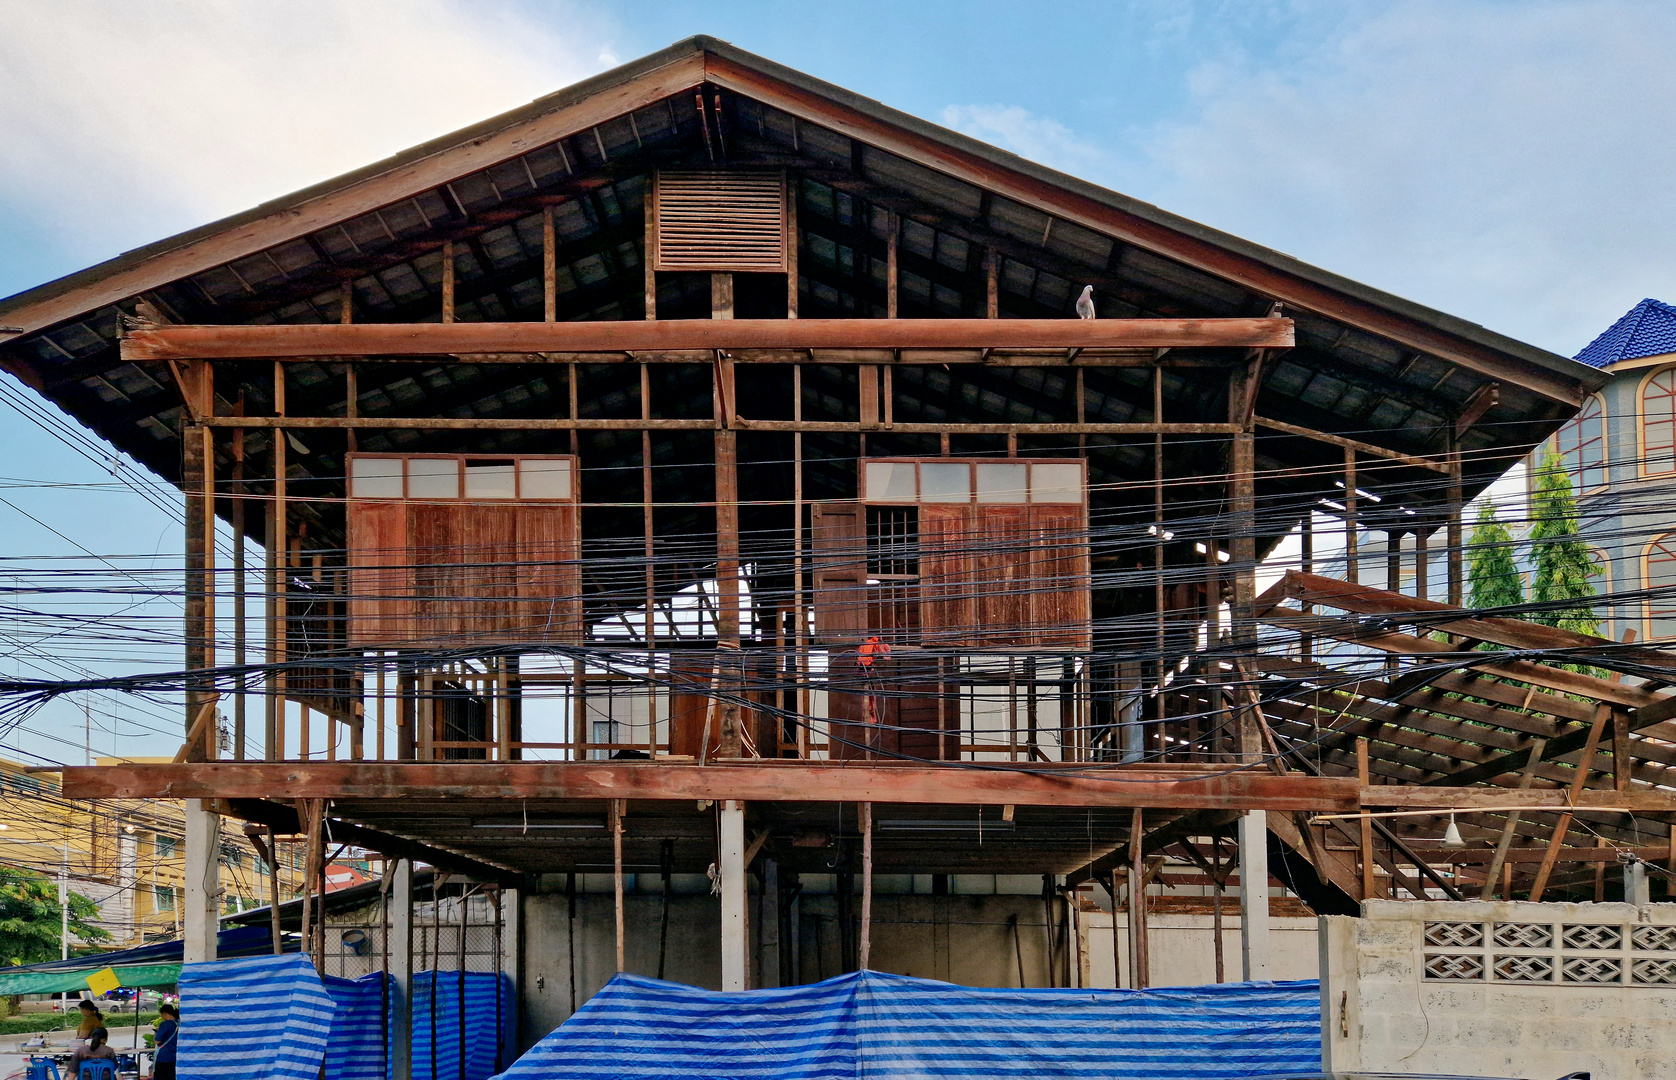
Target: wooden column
[(1242, 515), (278, 556), (650, 631), (1457, 568), (1352, 553), (801, 617), (892, 239), (550, 269), (240, 638), (448, 281), (1364, 843), (992, 282), (791, 246), (1157, 548), (1422, 571)]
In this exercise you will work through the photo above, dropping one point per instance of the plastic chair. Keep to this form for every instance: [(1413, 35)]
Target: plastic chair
[(39, 1068), (97, 1069)]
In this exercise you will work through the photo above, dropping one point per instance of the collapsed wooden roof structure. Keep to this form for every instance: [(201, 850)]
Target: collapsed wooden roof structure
[(517, 292)]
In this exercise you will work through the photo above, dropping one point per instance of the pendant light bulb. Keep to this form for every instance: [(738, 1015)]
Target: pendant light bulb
[(1452, 835)]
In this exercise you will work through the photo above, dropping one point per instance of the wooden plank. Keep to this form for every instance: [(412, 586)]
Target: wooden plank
[(473, 423), (427, 339), (1427, 797), (765, 781), (1603, 716)]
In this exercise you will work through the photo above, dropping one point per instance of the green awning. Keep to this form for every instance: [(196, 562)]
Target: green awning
[(57, 982)]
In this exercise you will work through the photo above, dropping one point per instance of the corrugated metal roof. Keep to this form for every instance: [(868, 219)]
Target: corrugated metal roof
[(1647, 329)]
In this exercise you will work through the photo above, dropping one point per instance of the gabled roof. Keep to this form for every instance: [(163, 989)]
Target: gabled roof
[(1366, 362), (1647, 329)]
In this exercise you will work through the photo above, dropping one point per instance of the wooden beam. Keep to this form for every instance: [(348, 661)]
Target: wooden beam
[(1426, 797), (766, 781), (1351, 444), (1603, 716), (426, 339), (474, 423)]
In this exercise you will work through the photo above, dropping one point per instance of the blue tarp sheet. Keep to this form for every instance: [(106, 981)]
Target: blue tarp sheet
[(262, 1018), (359, 1048), (438, 1008), (891, 1027)]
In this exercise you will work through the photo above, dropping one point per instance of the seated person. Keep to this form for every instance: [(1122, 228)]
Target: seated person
[(97, 1047), (91, 1018)]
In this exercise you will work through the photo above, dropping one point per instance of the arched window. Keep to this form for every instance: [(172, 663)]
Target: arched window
[(1661, 575), (1582, 445), (1658, 423)]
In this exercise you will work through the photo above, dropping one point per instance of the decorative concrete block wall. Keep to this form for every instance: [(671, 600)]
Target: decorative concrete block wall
[(1501, 989)]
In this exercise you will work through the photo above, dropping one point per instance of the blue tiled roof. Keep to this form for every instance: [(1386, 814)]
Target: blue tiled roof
[(1648, 329)]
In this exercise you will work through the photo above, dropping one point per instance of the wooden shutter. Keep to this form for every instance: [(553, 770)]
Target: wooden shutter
[(1059, 575), (839, 539), (550, 573), (1000, 561), (945, 573), (720, 221), (378, 604)]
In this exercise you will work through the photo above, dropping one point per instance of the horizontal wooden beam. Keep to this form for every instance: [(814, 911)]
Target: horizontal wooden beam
[(1416, 797), (765, 782), (630, 335), (544, 423), (1003, 358), (1352, 444), (1472, 856)]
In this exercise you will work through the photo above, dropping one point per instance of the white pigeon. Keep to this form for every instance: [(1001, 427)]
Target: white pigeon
[(1085, 302)]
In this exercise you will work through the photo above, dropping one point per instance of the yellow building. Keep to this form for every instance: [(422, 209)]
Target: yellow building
[(125, 854)]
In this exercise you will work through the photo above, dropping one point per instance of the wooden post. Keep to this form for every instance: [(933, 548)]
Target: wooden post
[(730, 865), (279, 558), (865, 949), (1457, 570), (1352, 554), (992, 283), (800, 615), (237, 509), (894, 224), (1422, 572), (448, 281), (550, 268), (730, 736), (617, 874), (1242, 513), (1364, 846), (1306, 561), (791, 246), (273, 893), (650, 632), (1157, 547)]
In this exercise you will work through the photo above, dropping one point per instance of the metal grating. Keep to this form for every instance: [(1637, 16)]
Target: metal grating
[(727, 222)]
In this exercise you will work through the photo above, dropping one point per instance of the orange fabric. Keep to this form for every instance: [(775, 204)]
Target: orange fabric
[(871, 650)]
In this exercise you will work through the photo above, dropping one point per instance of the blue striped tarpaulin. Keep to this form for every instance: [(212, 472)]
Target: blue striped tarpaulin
[(359, 1048), (260, 1018), (886, 1027), (437, 1008)]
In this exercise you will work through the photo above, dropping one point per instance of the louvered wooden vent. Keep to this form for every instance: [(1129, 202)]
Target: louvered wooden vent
[(721, 221)]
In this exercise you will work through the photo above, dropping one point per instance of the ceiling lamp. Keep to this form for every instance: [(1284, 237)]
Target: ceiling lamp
[(1452, 835)]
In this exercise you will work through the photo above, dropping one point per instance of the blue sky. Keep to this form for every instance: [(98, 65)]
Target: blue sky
[(1507, 162)]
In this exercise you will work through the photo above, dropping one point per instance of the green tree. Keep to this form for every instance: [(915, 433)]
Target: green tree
[(1492, 577), (1562, 564), (30, 917)]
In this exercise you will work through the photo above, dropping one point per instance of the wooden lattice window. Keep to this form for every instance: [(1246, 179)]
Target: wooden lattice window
[(720, 221), (1582, 445), (1658, 423)]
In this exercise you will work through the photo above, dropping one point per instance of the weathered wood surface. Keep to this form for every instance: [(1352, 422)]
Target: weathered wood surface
[(767, 781), (411, 339)]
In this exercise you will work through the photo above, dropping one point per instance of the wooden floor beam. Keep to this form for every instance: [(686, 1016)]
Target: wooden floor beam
[(766, 782), (409, 339)]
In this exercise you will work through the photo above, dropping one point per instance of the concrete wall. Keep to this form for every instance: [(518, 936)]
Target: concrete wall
[(1501, 989), (984, 934)]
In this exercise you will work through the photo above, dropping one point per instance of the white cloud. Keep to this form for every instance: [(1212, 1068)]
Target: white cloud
[(1506, 163), (1038, 138), (122, 122)]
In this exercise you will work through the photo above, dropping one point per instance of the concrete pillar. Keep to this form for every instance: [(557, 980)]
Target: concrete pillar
[(735, 954), (202, 897), (401, 970), (1636, 888), (1254, 894)]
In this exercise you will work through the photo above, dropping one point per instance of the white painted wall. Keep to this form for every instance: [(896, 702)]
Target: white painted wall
[(1183, 948), (1381, 1010)]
